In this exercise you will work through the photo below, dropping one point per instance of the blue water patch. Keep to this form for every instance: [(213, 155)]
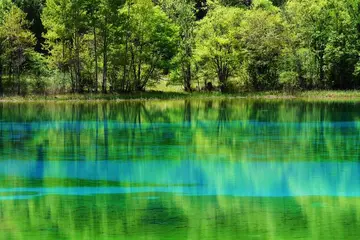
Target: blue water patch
[(78, 126), (262, 179)]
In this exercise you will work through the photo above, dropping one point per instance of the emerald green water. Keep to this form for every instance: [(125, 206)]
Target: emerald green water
[(186, 169)]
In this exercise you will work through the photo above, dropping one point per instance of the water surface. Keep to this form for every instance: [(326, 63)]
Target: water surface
[(186, 169)]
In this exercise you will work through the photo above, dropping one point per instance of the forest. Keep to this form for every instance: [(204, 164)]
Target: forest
[(118, 46)]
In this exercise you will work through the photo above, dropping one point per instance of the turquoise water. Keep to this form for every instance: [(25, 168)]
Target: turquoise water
[(186, 169)]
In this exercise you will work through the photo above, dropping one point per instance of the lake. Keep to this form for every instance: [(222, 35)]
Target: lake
[(184, 169)]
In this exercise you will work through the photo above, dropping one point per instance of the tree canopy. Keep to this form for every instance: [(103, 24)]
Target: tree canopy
[(117, 46)]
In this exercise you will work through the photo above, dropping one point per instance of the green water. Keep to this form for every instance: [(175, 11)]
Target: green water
[(187, 169)]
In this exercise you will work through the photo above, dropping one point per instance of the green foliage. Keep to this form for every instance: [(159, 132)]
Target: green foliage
[(17, 45), (33, 9), (262, 36), (229, 3), (151, 43), (216, 46), (230, 38), (132, 40), (329, 29), (289, 80), (126, 46), (182, 13)]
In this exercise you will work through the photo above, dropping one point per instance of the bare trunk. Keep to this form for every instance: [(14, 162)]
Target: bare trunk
[(125, 77), (18, 74), (105, 58), (223, 73), (11, 70), (73, 60), (63, 66), (139, 74), (187, 78), (78, 76), (187, 70), (11, 77), (96, 61), (223, 77), (18, 84), (134, 70), (321, 69), (73, 84)]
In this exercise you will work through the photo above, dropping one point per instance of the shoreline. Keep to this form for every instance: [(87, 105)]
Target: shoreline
[(158, 95)]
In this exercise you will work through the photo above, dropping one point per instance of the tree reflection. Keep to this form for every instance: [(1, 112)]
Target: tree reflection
[(229, 169), (223, 117)]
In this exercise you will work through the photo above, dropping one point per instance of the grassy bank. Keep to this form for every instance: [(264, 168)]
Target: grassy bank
[(159, 95)]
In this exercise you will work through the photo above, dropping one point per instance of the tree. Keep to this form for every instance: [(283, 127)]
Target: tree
[(329, 29), (125, 45), (111, 28), (33, 9), (151, 40), (183, 14), (261, 35), (4, 8), (17, 41), (93, 10), (66, 25), (216, 46), (59, 38)]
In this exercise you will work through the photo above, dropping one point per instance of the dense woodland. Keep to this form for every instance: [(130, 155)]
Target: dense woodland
[(115, 46)]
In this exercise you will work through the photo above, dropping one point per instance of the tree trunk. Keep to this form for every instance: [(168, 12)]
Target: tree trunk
[(132, 70), (73, 84), (18, 83), (139, 83), (223, 87), (187, 70), (18, 74), (10, 71), (78, 75), (73, 58), (96, 60), (321, 70), (299, 72), (125, 77), (63, 66), (187, 78), (105, 58), (223, 77)]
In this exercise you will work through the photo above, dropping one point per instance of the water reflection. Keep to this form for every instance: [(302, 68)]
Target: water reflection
[(192, 178), (187, 169)]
